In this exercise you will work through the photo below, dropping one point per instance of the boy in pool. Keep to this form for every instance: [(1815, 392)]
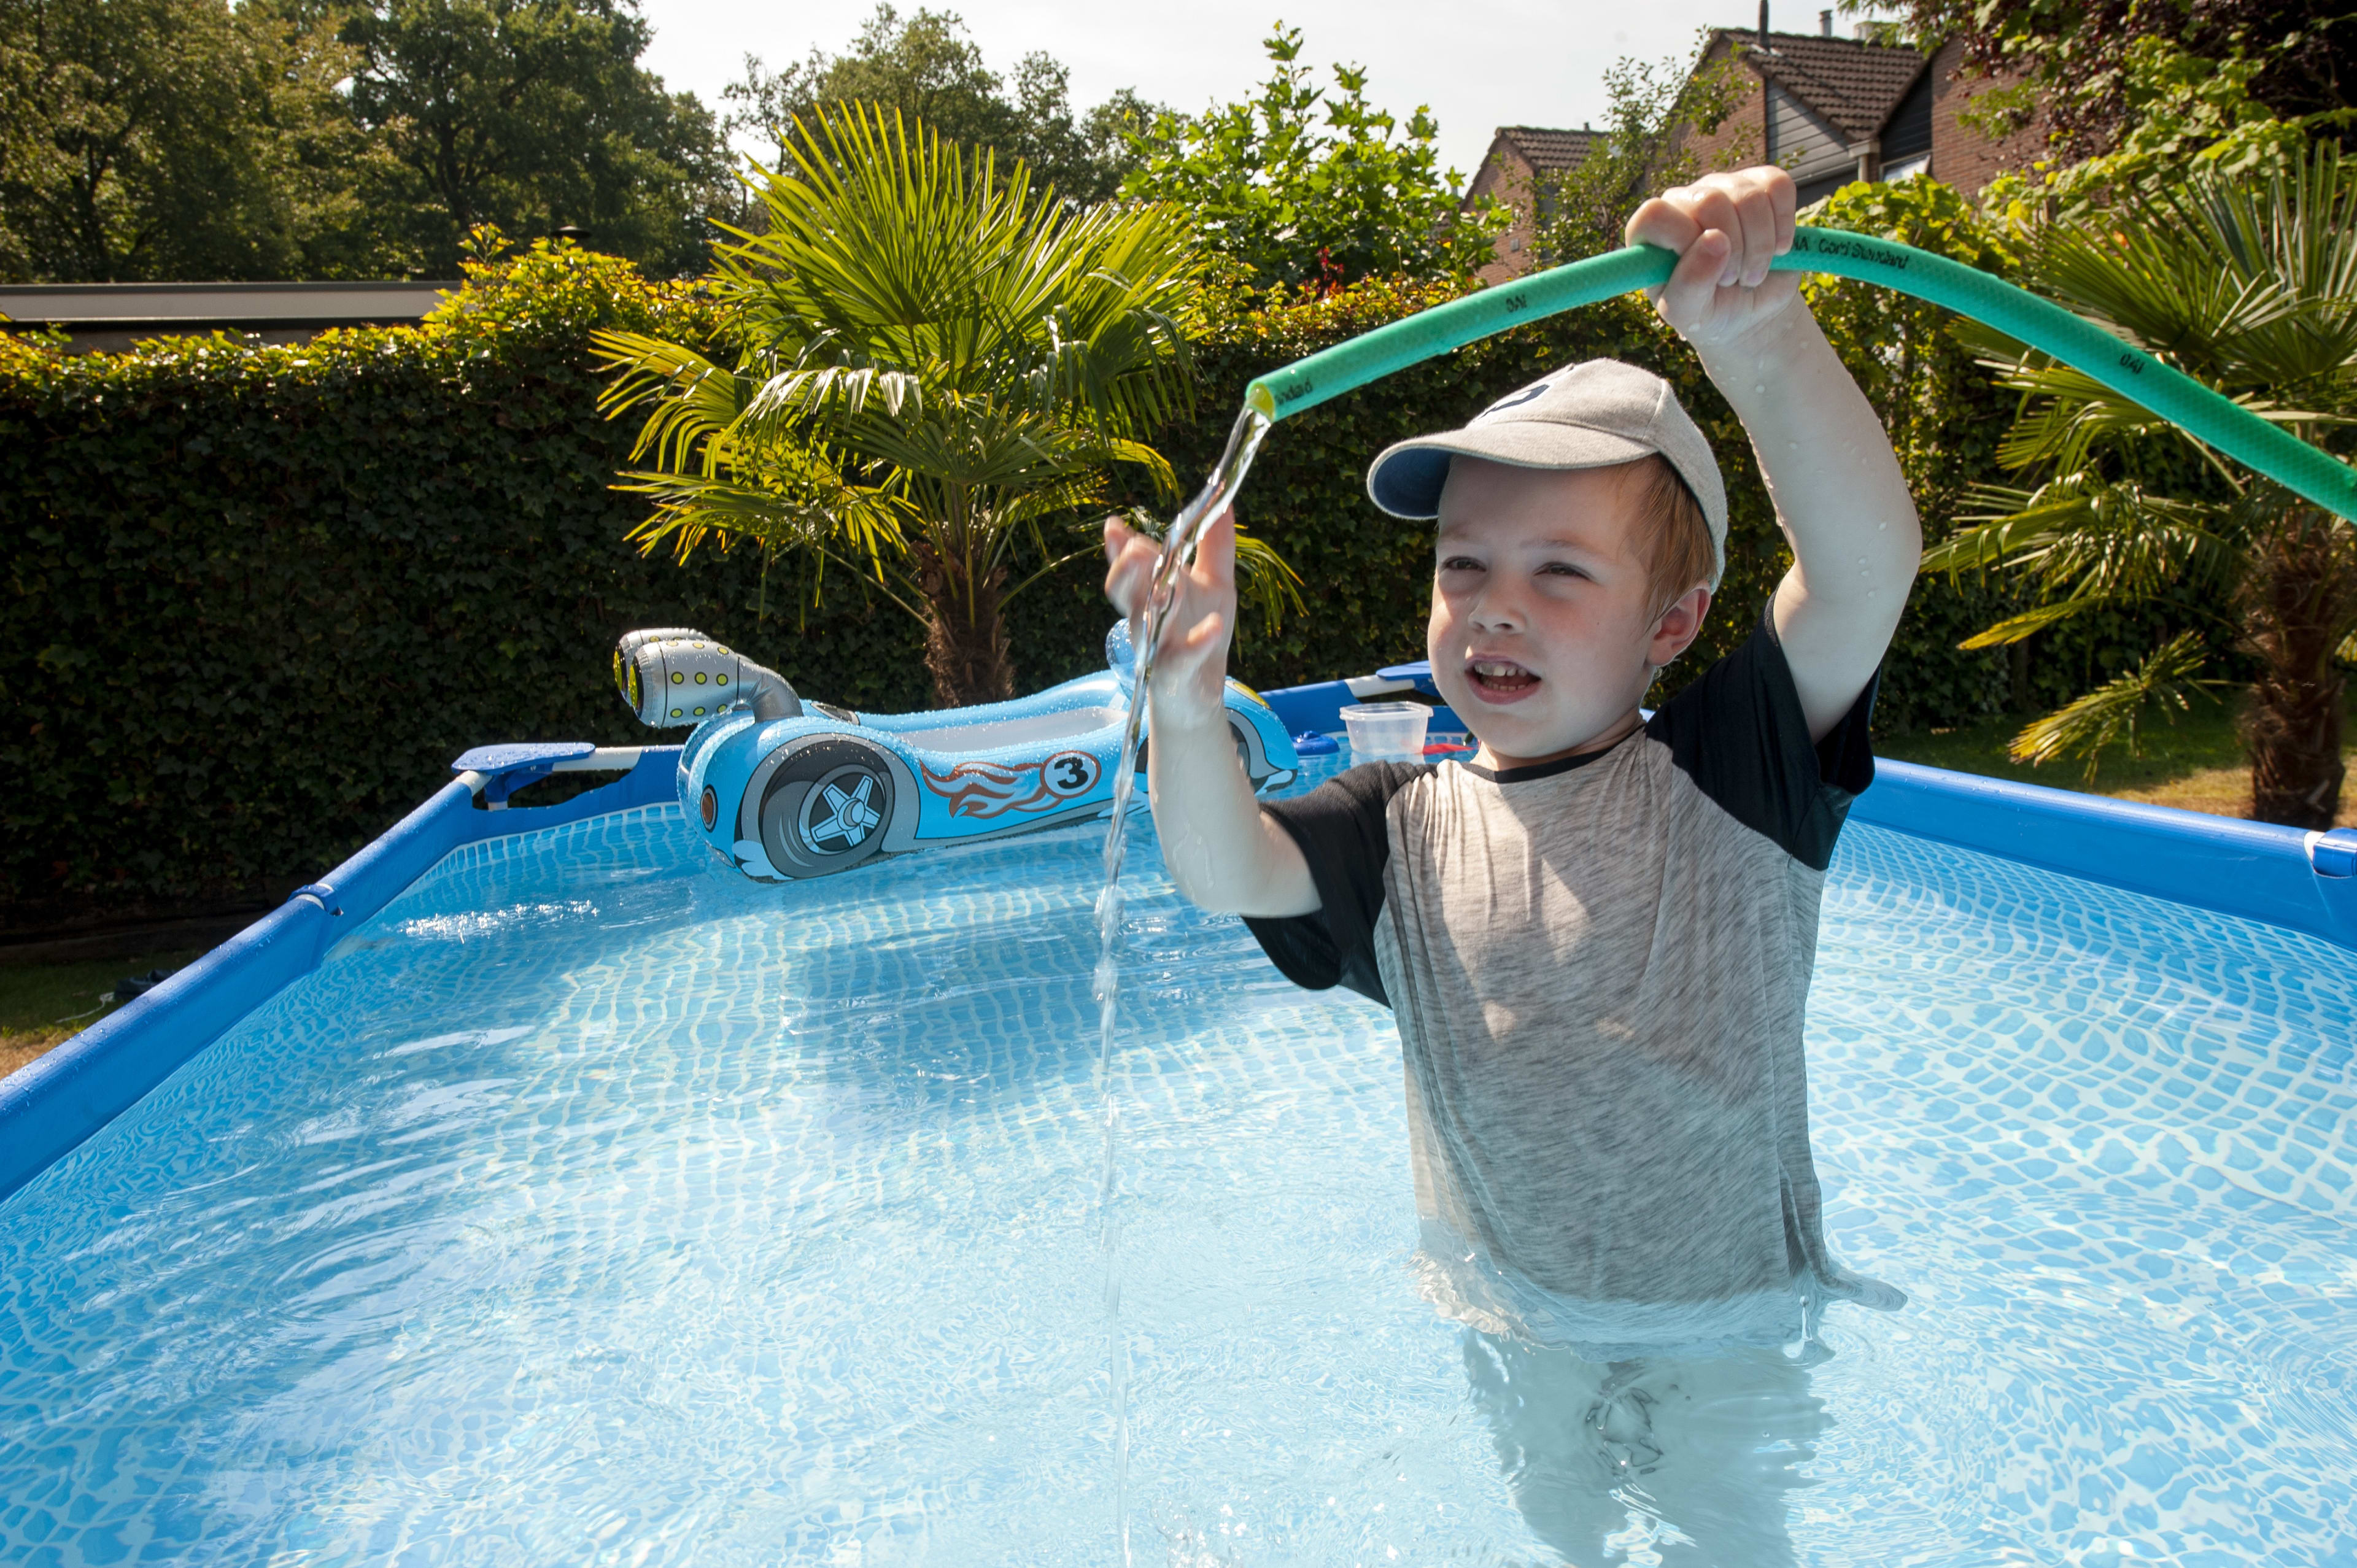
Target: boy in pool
[(1597, 935)]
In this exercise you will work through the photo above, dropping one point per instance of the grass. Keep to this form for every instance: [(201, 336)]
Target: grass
[(35, 998), (2196, 764)]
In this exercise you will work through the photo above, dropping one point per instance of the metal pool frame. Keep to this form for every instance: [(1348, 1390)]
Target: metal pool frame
[(2280, 877)]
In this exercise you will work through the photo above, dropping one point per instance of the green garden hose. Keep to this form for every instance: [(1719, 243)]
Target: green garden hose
[(2084, 347)]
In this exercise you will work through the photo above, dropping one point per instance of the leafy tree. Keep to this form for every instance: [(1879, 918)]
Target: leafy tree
[(2182, 108), (1654, 107), (932, 361), (2075, 55), (928, 68), (2250, 286), (532, 114), (146, 139), (1298, 187)]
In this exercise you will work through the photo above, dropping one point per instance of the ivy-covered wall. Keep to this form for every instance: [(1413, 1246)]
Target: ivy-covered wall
[(257, 598)]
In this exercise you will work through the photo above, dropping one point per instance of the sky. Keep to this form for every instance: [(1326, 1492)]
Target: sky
[(1479, 64)]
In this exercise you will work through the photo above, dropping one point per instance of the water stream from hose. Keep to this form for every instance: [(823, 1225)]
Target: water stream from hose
[(1177, 549)]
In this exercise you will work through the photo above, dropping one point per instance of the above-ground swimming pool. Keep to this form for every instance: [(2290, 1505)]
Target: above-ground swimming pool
[(590, 1204)]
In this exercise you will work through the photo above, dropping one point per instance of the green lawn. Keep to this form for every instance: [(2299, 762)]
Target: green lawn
[(2196, 764), (34, 998)]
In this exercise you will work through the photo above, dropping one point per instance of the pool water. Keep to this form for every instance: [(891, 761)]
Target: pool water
[(592, 1205)]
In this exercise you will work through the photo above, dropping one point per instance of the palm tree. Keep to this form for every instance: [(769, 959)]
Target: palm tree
[(2248, 284), (932, 362)]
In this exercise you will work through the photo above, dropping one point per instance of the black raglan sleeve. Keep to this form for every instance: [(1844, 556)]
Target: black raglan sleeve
[(1343, 833), (1738, 733)]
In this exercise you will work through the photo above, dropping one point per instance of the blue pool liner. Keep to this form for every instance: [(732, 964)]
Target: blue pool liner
[(2280, 877)]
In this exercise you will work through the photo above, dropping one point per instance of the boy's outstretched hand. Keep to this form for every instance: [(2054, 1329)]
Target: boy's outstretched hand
[(1726, 228), (1190, 671), (1222, 851)]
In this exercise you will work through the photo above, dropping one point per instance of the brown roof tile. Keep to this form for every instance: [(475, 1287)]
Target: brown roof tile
[(1550, 151), (1851, 82)]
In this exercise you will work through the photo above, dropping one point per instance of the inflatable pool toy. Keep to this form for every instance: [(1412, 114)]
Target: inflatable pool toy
[(785, 789)]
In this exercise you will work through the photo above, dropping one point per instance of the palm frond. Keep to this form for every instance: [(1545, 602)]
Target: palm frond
[(795, 499), (2165, 680), (2000, 538), (929, 351), (899, 248), (2245, 283), (2067, 416), (2082, 536), (1265, 580), (2031, 622), (806, 394), (690, 401)]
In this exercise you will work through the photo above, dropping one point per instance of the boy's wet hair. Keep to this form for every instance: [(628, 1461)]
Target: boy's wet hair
[(1673, 535)]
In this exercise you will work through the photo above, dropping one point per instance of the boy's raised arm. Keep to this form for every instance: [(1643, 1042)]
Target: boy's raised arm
[(1224, 853), (1827, 462)]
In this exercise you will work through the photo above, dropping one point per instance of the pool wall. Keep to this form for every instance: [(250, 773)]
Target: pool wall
[(2280, 877), (71, 1091)]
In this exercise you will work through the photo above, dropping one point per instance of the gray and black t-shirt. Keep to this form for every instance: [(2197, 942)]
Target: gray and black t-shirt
[(1600, 967)]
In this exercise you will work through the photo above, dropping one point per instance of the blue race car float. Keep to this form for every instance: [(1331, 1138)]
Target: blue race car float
[(786, 790)]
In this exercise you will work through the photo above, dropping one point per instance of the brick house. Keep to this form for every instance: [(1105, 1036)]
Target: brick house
[(1832, 110), (1511, 171)]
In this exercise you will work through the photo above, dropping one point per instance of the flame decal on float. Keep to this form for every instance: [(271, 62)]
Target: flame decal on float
[(986, 789)]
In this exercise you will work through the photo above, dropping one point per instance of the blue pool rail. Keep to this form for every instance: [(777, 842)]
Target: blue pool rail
[(74, 1090), (2280, 877)]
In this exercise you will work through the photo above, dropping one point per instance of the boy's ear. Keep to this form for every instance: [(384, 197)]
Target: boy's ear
[(1677, 627)]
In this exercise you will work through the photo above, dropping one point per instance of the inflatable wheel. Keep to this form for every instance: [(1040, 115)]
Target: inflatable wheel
[(826, 807)]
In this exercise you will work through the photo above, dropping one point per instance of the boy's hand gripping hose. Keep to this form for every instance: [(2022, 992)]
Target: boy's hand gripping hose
[(2133, 374)]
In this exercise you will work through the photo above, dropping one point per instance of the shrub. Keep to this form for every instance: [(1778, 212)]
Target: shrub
[(258, 597)]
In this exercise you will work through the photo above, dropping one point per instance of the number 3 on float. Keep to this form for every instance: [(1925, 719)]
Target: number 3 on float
[(1069, 774)]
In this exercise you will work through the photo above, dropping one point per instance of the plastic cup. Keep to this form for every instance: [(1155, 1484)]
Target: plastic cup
[(1387, 732)]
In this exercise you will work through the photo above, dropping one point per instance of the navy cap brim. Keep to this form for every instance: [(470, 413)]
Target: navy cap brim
[(1407, 482)]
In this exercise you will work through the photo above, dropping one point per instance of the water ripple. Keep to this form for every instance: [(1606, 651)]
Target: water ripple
[(591, 1205)]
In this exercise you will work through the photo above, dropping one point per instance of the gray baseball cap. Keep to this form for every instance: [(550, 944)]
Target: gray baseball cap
[(1588, 415)]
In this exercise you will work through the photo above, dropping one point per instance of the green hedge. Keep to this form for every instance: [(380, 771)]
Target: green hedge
[(258, 597)]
